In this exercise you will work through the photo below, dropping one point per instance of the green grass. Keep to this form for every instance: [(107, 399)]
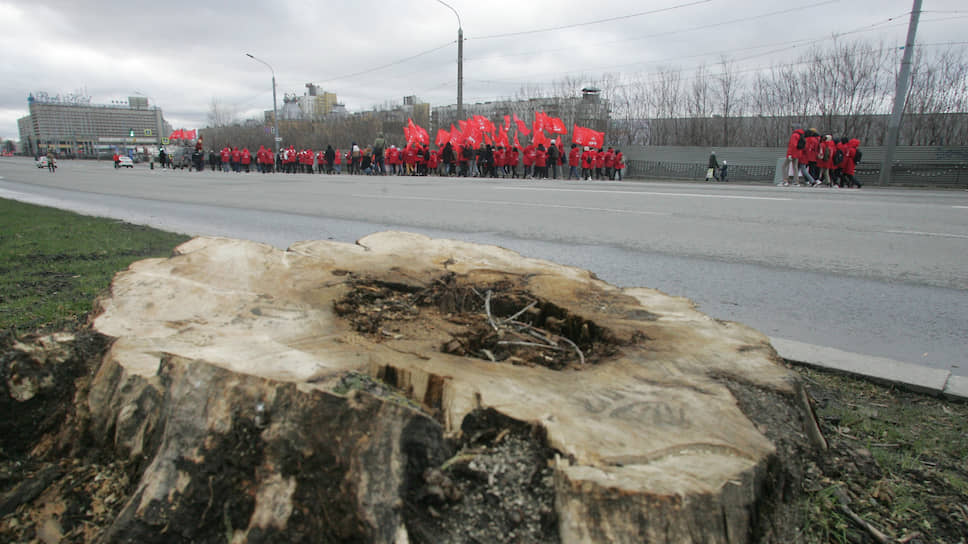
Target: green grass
[(54, 263)]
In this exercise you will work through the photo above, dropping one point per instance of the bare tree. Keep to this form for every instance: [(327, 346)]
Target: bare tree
[(730, 95), (220, 114)]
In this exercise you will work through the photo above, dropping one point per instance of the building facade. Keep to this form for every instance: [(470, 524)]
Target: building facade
[(72, 126)]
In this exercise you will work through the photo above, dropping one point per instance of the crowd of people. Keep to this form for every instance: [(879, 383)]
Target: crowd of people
[(821, 160), (415, 159)]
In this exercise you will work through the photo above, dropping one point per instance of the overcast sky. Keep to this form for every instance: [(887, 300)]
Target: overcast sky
[(183, 55)]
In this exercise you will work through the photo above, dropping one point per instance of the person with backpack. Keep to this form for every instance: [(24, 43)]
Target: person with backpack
[(840, 160), (379, 166), (808, 155), (553, 160), (850, 163), (795, 145), (825, 160)]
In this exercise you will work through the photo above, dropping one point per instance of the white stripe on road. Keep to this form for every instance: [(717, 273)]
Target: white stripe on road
[(959, 207), (697, 195), (512, 203), (919, 233)]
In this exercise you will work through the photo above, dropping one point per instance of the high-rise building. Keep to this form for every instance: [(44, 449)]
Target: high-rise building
[(72, 125)]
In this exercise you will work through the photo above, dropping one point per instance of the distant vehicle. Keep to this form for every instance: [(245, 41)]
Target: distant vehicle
[(41, 162), (125, 161), (181, 157), (6, 154)]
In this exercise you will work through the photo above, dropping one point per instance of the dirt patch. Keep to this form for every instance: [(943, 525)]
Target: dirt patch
[(498, 487), (500, 322)]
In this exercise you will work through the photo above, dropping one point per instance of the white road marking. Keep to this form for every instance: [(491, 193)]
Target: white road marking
[(697, 195), (511, 203), (919, 233), (959, 207)]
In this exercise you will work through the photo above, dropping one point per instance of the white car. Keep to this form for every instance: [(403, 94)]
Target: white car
[(41, 162), (125, 161)]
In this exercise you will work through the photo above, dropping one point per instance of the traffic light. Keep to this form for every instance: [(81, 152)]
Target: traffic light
[(131, 133)]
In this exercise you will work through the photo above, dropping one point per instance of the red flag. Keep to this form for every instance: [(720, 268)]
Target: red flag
[(175, 135), (507, 123), (502, 138), (454, 136), (188, 134), (539, 138), (595, 139), (557, 126), (540, 121), (517, 144), (442, 137), (522, 126), (579, 135)]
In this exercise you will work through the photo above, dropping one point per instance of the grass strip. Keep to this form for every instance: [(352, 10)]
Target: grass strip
[(54, 263)]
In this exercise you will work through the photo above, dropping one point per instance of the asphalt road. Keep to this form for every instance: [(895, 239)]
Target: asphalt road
[(875, 272)]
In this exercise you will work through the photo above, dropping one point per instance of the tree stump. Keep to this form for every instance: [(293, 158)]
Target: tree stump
[(247, 382)]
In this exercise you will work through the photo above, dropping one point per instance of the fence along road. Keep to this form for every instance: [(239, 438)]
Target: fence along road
[(934, 167)]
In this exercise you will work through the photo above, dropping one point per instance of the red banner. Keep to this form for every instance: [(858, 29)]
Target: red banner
[(442, 137), (522, 126)]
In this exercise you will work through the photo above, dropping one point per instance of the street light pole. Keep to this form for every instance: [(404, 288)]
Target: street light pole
[(460, 62), (900, 97), (275, 114)]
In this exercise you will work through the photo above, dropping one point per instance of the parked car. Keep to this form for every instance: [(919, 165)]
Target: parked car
[(125, 161), (41, 162)]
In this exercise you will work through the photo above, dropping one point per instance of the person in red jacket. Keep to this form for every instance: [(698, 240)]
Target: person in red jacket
[(792, 158), (620, 164), (574, 161), (825, 160), (338, 160), (527, 158), (236, 160), (226, 158), (512, 158), (608, 160), (246, 158), (840, 161), (586, 164), (808, 157), (540, 162), (392, 155), (850, 163), (500, 161), (599, 163)]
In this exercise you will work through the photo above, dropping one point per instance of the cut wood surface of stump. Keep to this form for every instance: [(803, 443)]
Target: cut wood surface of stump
[(228, 378)]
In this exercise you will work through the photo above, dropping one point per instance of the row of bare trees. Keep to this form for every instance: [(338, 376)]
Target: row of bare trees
[(846, 88)]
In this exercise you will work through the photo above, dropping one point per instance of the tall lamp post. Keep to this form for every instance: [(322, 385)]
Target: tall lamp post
[(275, 114), (460, 62)]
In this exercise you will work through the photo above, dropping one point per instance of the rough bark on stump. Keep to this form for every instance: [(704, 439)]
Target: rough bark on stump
[(226, 356)]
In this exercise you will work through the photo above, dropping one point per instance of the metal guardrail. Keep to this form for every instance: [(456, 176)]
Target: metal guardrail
[(941, 175)]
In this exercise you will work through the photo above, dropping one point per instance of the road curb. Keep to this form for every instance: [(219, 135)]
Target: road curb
[(918, 378)]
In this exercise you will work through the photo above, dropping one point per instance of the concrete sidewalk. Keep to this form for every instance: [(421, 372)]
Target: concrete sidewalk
[(915, 377)]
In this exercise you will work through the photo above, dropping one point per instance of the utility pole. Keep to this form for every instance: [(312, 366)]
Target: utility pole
[(900, 96), (460, 62)]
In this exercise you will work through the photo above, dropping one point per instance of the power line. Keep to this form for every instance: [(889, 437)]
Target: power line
[(595, 22), (660, 34), (389, 64)]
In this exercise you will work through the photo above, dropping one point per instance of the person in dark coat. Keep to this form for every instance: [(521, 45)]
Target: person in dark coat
[(328, 157), (713, 167)]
